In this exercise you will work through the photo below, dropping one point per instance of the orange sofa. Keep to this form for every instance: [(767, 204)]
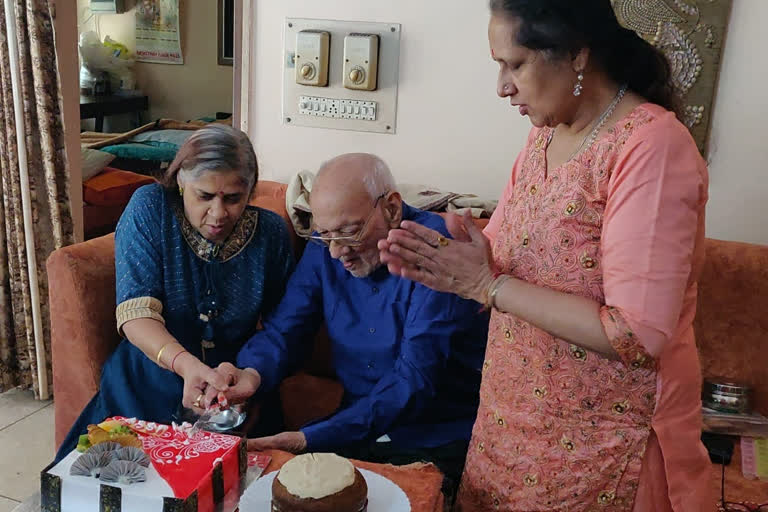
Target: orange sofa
[(731, 326)]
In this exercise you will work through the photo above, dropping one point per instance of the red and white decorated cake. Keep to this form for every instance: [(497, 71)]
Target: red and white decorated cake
[(186, 471)]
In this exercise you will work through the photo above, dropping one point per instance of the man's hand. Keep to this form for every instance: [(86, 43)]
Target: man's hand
[(293, 442), (242, 384)]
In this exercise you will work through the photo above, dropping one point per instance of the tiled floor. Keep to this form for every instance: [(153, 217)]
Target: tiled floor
[(26, 445)]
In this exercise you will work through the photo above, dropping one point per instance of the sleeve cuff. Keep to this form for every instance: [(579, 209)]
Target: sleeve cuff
[(139, 307), (624, 340), (318, 436)]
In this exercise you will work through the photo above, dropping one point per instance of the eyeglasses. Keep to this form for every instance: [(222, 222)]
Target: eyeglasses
[(729, 506), (353, 240)]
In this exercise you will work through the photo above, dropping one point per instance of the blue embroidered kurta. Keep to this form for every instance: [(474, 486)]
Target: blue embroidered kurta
[(409, 357), (166, 270)]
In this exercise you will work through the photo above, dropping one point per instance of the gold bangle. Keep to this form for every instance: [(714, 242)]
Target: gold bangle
[(494, 290), (160, 353)]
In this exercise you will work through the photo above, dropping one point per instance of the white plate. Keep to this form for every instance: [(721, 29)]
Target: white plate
[(383, 494)]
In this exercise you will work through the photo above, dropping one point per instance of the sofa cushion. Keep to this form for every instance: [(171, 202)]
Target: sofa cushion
[(307, 398), (731, 323), (113, 187), (94, 161)]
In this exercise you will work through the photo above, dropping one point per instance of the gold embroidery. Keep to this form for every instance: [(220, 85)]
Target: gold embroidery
[(639, 362), (567, 443), (534, 189), (139, 307), (531, 480), (620, 407), (540, 392), (578, 353), (588, 262), (508, 334), (605, 497), (241, 235)]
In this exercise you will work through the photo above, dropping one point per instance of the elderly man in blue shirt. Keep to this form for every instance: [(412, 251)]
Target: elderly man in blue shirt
[(409, 358)]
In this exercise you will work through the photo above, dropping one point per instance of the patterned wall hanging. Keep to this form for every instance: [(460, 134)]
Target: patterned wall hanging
[(691, 33)]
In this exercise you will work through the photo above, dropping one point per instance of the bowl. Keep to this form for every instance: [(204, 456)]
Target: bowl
[(726, 396), (224, 421)]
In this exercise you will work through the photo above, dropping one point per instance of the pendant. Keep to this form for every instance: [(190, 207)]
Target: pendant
[(205, 344)]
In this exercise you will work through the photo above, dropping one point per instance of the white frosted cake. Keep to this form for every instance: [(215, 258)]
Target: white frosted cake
[(319, 482)]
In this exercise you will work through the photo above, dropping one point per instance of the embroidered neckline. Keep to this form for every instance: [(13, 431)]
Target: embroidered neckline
[(241, 235)]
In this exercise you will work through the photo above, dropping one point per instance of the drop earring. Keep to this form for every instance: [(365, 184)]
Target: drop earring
[(578, 87), (181, 191)]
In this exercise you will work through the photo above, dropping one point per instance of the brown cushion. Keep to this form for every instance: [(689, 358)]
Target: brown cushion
[(731, 321), (113, 187), (307, 398)]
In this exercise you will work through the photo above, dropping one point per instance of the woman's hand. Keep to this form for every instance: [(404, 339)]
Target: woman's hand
[(242, 384), (199, 379), (293, 442), (460, 266)]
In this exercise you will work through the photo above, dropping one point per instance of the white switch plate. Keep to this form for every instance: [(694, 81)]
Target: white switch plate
[(337, 109), (380, 104)]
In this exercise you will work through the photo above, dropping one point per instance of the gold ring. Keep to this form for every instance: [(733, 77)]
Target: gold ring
[(442, 241), (196, 403)]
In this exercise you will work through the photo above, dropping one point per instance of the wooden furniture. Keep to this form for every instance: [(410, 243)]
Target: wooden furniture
[(100, 106)]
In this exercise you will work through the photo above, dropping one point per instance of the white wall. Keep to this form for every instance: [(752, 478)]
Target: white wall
[(452, 129), (738, 172)]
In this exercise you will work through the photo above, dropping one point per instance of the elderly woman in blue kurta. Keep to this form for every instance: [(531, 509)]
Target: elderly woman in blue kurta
[(196, 269)]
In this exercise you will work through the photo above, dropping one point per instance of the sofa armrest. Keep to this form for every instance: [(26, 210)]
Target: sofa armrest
[(81, 287)]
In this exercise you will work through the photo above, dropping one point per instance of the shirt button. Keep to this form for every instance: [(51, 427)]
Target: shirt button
[(370, 365), (375, 290), (371, 330)]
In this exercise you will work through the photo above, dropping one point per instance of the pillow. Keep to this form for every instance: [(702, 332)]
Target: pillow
[(113, 187), (94, 161), (175, 137), (156, 151)]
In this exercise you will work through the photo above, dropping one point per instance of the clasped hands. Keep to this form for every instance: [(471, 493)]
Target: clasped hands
[(461, 266), (242, 384)]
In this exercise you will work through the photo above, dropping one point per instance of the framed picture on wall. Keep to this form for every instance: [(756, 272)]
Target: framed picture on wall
[(226, 32)]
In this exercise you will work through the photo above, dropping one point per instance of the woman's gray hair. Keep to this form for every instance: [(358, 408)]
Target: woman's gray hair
[(214, 148)]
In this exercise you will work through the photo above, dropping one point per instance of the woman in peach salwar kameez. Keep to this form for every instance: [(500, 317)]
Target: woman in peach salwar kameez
[(590, 399)]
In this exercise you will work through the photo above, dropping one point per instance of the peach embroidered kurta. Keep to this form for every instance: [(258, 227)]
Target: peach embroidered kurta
[(560, 427)]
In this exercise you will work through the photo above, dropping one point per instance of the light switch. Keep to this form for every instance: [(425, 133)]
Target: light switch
[(311, 60), (361, 61)]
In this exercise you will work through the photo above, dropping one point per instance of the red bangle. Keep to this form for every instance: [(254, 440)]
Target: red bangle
[(174, 359)]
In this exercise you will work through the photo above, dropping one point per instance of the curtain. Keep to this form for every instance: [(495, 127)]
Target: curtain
[(34, 195)]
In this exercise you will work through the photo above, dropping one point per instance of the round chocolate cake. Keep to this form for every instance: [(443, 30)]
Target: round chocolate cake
[(319, 482)]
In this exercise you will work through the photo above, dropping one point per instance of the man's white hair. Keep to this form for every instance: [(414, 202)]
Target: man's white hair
[(377, 178)]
